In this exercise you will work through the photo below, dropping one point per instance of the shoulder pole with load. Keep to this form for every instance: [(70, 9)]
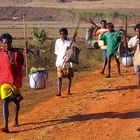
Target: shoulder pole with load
[(72, 52)]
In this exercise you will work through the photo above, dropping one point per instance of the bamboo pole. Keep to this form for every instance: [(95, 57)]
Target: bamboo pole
[(25, 40), (76, 30), (139, 39), (126, 45)]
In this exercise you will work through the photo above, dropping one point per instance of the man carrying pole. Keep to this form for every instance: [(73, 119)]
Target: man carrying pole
[(134, 43), (64, 67)]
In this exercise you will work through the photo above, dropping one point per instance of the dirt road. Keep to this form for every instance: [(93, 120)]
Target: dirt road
[(98, 109)]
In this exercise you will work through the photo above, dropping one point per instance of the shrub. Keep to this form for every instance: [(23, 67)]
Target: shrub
[(41, 52)]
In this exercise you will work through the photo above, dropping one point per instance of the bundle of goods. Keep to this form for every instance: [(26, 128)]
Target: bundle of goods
[(38, 78)]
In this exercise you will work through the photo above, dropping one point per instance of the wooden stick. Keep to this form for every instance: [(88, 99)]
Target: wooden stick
[(25, 40), (139, 39), (90, 21), (74, 36), (76, 30), (126, 45)]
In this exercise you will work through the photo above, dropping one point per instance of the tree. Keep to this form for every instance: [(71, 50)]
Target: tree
[(39, 36)]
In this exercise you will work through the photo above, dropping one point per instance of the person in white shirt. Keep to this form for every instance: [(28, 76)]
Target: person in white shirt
[(64, 69), (134, 43)]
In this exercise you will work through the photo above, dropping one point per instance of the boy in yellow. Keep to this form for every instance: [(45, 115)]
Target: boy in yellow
[(99, 32)]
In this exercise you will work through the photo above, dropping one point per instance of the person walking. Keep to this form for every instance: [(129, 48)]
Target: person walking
[(64, 69), (112, 39), (134, 44), (11, 62), (99, 32)]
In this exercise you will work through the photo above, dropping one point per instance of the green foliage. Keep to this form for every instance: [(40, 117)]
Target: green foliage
[(115, 14), (100, 14), (89, 14), (72, 14), (41, 52), (108, 16), (39, 36), (88, 58)]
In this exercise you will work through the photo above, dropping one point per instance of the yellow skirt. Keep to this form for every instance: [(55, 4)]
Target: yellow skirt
[(8, 90)]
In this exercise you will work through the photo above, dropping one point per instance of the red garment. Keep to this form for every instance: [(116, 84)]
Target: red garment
[(11, 72)]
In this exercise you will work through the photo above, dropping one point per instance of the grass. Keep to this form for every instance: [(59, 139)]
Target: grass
[(103, 4), (52, 27)]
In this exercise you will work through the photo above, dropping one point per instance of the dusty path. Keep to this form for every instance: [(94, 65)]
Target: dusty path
[(99, 109)]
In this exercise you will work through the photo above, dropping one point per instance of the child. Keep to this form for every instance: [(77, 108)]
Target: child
[(99, 33)]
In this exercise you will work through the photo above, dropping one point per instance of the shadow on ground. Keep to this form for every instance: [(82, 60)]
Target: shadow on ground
[(119, 88), (77, 118)]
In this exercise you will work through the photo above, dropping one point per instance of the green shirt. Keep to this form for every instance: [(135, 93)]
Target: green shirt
[(112, 40)]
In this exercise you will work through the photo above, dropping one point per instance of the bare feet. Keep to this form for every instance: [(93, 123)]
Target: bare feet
[(108, 76), (69, 93), (15, 123), (101, 72), (6, 130), (119, 74), (58, 94)]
